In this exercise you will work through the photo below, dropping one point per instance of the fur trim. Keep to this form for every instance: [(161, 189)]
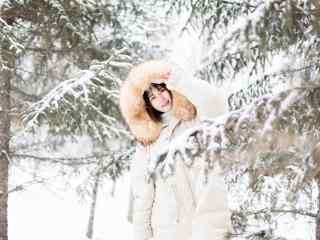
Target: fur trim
[(132, 104)]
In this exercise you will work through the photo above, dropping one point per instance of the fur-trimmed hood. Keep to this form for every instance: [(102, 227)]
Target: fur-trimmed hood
[(133, 107)]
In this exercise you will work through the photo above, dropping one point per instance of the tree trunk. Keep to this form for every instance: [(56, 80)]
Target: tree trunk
[(318, 213), (93, 207), (4, 148)]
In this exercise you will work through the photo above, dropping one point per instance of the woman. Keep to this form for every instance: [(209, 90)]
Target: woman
[(158, 106)]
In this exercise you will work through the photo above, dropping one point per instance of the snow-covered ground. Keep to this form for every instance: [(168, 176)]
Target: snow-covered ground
[(42, 214), (39, 213)]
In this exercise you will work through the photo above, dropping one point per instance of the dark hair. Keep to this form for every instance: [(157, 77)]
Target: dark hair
[(154, 114)]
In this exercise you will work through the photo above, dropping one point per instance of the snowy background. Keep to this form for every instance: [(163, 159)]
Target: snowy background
[(50, 213), (65, 61)]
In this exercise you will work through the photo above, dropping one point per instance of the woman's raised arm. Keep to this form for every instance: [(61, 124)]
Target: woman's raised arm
[(209, 100)]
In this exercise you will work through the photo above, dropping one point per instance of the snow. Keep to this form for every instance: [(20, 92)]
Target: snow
[(235, 30), (49, 213), (53, 209)]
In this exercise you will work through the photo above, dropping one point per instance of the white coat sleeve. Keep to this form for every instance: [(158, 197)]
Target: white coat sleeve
[(209, 100), (143, 196)]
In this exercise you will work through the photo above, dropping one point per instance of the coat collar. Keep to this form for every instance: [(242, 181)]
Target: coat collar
[(171, 126)]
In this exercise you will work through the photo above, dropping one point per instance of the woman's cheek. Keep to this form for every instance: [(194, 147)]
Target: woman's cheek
[(155, 104)]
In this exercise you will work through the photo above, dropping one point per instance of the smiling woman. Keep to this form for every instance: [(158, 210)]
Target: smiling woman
[(160, 97), (158, 100), (157, 111)]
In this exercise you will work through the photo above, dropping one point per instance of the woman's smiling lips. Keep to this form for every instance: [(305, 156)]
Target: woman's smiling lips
[(165, 103)]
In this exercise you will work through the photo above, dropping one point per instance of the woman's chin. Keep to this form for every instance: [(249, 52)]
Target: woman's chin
[(166, 109)]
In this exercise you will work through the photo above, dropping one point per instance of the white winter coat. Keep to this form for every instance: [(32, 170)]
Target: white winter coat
[(183, 206)]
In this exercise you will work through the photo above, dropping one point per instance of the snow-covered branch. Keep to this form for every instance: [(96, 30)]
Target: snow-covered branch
[(282, 211), (85, 103), (270, 135)]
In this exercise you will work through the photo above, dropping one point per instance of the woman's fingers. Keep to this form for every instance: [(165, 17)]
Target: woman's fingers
[(164, 77)]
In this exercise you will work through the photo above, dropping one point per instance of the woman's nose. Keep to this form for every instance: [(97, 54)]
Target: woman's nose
[(162, 98)]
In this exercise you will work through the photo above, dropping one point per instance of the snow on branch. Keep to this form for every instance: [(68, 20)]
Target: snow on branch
[(238, 30), (84, 103), (77, 86), (272, 135), (8, 39), (64, 16), (255, 37), (283, 211), (6, 34)]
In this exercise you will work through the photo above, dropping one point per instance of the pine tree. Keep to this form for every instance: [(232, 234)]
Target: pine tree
[(248, 34), (6, 75)]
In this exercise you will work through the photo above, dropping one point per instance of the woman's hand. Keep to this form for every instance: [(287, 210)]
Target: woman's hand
[(171, 77), (175, 78), (163, 77)]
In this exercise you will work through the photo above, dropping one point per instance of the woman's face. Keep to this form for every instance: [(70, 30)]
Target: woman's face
[(160, 99)]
